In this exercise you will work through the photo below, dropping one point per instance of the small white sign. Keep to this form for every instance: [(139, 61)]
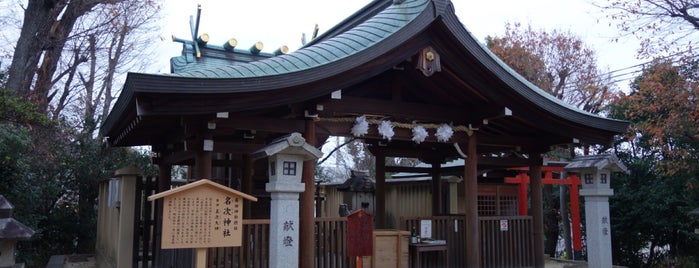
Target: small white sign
[(504, 225), (425, 228)]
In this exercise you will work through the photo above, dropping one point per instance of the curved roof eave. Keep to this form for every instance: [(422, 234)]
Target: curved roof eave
[(298, 68), (310, 67), (302, 67), (526, 89), (351, 42)]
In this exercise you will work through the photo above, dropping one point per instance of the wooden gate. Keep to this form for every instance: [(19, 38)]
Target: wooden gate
[(145, 220)]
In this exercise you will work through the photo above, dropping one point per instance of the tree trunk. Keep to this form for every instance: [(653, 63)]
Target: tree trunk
[(46, 28), (38, 18)]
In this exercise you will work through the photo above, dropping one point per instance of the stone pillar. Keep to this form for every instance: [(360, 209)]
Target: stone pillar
[(595, 172), (284, 224), (288, 159), (598, 229), (127, 197)]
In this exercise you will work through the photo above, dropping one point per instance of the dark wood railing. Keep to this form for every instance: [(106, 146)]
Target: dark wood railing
[(252, 253), (506, 245), (331, 240), (506, 241), (447, 228), (331, 243)]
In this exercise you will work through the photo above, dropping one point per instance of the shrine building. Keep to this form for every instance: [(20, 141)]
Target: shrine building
[(404, 76)]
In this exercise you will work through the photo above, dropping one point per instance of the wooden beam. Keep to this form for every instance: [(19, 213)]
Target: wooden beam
[(350, 105), (331, 127), (503, 162), (261, 123)]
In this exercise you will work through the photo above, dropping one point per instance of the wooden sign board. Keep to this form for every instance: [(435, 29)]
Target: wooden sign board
[(360, 234), (202, 214)]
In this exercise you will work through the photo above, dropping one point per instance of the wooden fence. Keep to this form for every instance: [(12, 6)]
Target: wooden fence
[(331, 240), (506, 241)]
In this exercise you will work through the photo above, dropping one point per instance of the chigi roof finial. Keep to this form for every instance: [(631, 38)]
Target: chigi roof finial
[(194, 29)]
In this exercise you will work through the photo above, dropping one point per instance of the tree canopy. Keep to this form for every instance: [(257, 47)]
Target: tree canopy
[(650, 205), (665, 27), (60, 85), (556, 61)]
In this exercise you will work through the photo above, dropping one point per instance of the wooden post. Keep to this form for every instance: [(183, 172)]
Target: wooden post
[(202, 162), (454, 194), (203, 157), (200, 258), (537, 209), (164, 181), (164, 177), (247, 174), (437, 196), (473, 258), (307, 233), (380, 191)]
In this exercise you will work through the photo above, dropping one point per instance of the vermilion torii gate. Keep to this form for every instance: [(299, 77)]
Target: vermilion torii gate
[(572, 180)]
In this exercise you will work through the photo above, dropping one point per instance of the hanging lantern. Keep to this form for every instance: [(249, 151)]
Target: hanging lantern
[(386, 130), (419, 134), (444, 133), (360, 127)]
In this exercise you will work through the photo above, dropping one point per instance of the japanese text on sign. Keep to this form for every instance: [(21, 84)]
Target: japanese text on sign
[(202, 221)]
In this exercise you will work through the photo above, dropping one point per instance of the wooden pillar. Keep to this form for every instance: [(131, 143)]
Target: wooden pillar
[(380, 217), (202, 164), (537, 209), (473, 258), (307, 233), (246, 184), (437, 196), (454, 194), (164, 177), (204, 154), (164, 181)]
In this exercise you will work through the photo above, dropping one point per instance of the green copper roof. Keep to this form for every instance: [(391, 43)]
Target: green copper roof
[(365, 35)]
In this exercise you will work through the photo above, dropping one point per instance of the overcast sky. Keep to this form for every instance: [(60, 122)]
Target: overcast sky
[(278, 23)]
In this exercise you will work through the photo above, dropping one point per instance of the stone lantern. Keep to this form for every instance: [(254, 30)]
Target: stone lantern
[(358, 191), (10, 232), (694, 213), (595, 172), (285, 162)]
